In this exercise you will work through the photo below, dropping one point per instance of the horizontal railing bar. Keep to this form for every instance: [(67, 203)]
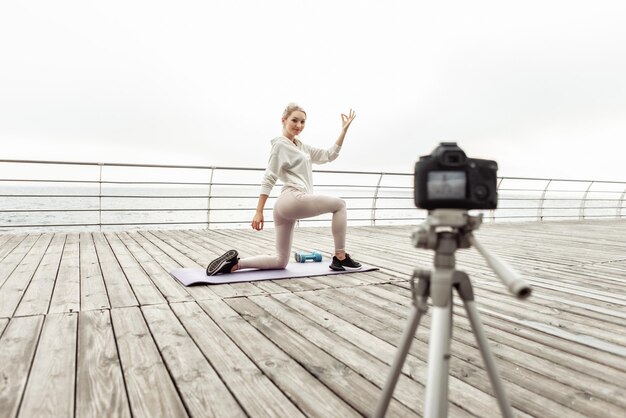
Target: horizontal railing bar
[(88, 163), (183, 196), (111, 210), (3, 227), (268, 222), (46, 181), (12, 180), (559, 191), (162, 183), (176, 183), (252, 197), (501, 199), (562, 180), (567, 191), (82, 225), (558, 208), (105, 224), (205, 167), (194, 167)]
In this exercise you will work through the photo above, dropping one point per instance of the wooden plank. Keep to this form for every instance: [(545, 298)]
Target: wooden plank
[(380, 307), (523, 384), (350, 386), (66, 294), (577, 320), (551, 342), (585, 292), (118, 288), (301, 284), (50, 388), (4, 238), (14, 258), (93, 292), (312, 397), (172, 290), (200, 258), (10, 242), (254, 391), (146, 292), (529, 310), (217, 242), (100, 390), (13, 289), (459, 389), (189, 246), (199, 385), (165, 259), (206, 253), (604, 311), (408, 391), (37, 296), (150, 389), (575, 337), (179, 259), (17, 348)]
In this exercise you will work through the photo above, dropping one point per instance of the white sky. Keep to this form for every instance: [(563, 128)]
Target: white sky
[(539, 86)]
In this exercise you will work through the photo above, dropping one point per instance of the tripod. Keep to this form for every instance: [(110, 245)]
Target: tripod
[(444, 231)]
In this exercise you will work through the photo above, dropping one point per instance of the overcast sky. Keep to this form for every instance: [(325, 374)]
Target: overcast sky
[(539, 86)]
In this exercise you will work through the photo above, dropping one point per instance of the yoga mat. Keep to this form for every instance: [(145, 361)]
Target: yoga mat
[(190, 276)]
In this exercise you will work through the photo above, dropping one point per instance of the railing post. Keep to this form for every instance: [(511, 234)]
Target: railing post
[(100, 165), (542, 200), (620, 204), (375, 198), (493, 211), (208, 210), (584, 201)]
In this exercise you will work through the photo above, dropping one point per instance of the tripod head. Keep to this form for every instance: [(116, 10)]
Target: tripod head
[(455, 227)]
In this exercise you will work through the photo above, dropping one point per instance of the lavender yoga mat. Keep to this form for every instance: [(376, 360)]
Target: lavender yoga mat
[(190, 276)]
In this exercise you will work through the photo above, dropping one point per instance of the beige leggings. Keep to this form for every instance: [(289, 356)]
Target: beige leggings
[(291, 206)]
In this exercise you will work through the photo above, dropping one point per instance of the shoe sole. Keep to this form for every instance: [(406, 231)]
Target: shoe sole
[(220, 262), (352, 268), (344, 268)]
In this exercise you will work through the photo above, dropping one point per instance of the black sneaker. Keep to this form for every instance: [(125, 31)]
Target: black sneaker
[(345, 264), (223, 264)]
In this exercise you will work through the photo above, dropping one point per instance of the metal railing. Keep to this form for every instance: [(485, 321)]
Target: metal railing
[(62, 195)]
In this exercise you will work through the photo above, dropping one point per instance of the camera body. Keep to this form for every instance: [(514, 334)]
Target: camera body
[(448, 179)]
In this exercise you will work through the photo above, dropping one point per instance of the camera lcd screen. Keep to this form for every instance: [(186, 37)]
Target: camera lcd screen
[(443, 185)]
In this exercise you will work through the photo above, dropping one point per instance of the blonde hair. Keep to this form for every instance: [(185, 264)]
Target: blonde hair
[(292, 107)]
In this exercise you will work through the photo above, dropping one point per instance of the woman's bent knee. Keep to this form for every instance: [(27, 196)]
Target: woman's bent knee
[(341, 205), (282, 259)]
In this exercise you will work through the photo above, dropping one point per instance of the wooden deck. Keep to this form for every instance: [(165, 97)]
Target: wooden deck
[(92, 325)]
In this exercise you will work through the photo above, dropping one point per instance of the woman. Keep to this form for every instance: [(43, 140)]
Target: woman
[(291, 162)]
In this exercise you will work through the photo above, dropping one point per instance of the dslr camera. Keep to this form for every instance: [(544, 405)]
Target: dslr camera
[(447, 179)]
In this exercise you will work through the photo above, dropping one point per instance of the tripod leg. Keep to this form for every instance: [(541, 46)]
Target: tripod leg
[(490, 364), (436, 404), (403, 350)]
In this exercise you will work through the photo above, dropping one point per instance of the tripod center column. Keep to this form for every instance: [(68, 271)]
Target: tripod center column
[(444, 262)]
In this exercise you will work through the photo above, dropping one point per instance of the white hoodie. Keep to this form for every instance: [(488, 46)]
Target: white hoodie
[(292, 164)]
